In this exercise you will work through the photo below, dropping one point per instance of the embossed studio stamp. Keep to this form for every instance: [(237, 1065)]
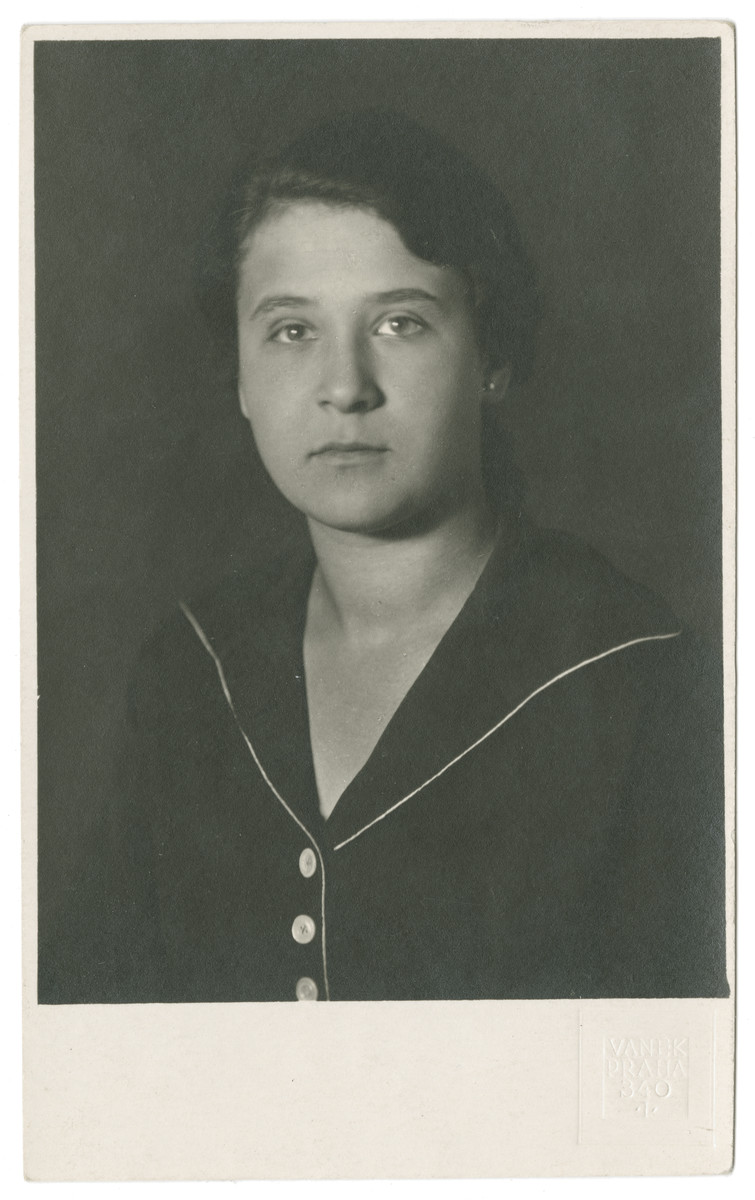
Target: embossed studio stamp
[(649, 1082), (646, 1078)]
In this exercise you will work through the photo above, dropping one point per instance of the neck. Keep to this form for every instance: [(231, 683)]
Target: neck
[(375, 586)]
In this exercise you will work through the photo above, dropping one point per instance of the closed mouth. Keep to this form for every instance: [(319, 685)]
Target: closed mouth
[(349, 448)]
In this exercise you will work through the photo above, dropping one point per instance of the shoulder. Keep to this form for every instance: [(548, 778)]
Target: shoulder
[(587, 588), (558, 604), (231, 621), (644, 662)]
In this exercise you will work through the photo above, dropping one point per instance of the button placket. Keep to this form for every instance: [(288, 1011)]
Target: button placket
[(307, 862), (303, 929)]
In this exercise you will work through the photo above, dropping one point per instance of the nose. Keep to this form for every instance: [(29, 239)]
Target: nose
[(347, 379)]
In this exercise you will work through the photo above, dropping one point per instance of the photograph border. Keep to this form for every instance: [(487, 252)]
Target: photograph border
[(164, 1091)]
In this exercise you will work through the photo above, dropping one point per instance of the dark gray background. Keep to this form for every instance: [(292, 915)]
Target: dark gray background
[(147, 485)]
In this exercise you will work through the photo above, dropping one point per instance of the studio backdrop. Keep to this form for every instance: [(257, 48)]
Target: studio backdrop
[(148, 487)]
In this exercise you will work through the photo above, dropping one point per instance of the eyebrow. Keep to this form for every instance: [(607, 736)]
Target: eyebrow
[(271, 303), (399, 294), (396, 296)]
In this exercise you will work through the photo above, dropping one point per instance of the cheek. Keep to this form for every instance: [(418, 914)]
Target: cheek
[(275, 434), (268, 398), (436, 372), (452, 395), (455, 367)]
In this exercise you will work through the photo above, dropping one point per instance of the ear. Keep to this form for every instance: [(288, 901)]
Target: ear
[(496, 383)]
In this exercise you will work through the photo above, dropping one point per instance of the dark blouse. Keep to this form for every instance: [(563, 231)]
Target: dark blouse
[(542, 817)]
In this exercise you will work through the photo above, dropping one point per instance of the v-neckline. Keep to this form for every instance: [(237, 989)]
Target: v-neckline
[(375, 748), (366, 791), (266, 676), (543, 603)]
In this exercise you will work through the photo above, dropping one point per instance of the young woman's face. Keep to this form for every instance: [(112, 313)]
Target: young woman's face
[(359, 370)]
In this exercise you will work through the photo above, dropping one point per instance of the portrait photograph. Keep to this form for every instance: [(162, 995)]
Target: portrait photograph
[(380, 597)]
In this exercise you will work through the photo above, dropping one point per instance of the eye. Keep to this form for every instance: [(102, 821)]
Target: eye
[(291, 332), (399, 326)]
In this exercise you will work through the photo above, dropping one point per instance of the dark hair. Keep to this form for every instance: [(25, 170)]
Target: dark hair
[(445, 209)]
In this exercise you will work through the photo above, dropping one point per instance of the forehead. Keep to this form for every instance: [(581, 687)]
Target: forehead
[(317, 249)]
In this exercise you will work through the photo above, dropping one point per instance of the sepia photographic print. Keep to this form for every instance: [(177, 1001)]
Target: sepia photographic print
[(379, 582)]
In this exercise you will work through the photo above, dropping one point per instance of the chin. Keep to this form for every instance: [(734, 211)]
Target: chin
[(361, 516), (407, 522)]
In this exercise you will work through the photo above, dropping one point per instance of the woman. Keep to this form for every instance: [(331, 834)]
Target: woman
[(448, 756)]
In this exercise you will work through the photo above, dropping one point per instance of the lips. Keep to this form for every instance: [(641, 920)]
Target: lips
[(349, 448)]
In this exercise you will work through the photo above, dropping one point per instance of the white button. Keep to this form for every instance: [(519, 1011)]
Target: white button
[(306, 989), (307, 862), (303, 929)]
